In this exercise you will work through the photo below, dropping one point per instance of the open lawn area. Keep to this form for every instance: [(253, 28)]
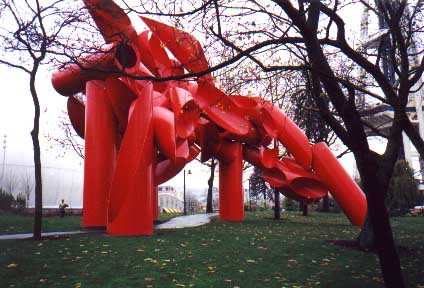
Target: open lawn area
[(259, 252), (12, 223)]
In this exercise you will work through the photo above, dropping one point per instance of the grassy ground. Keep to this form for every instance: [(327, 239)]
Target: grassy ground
[(259, 252), (12, 223)]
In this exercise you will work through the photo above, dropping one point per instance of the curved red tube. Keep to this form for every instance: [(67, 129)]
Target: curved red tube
[(130, 208), (342, 187), (76, 113)]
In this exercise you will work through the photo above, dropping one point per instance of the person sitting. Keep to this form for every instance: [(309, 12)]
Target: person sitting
[(62, 207)]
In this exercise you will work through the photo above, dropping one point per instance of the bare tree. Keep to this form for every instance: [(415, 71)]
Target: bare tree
[(27, 185), (68, 140), (37, 30), (10, 182), (212, 165)]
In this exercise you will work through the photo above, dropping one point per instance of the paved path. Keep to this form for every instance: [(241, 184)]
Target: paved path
[(29, 235), (174, 223), (187, 221)]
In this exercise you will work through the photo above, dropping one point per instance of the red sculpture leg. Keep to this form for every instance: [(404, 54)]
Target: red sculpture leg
[(342, 187), (100, 154), (130, 203), (231, 200)]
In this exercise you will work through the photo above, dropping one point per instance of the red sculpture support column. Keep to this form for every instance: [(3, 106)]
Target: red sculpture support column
[(100, 154), (231, 200), (130, 201)]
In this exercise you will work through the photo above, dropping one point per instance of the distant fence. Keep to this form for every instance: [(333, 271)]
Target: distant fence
[(58, 183)]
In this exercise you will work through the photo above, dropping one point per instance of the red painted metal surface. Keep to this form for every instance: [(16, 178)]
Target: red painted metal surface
[(160, 126), (100, 154), (231, 200), (130, 200), (342, 187), (76, 113)]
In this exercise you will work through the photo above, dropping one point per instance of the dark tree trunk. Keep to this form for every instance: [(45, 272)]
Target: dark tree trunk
[(366, 239), (384, 241), (304, 208), (325, 204), (209, 206), (277, 214), (37, 158)]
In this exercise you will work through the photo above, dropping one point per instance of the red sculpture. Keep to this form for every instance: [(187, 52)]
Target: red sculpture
[(140, 133)]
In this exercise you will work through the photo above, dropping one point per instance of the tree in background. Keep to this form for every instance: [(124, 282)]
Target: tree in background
[(6, 200), (193, 204), (258, 186), (37, 33), (403, 191), (212, 165), (27, 185), (10, 182), (289, 204), (68, 140)]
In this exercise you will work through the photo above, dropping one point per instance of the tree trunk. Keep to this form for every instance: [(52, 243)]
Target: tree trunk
[(209, 206), (277, 214), (366, 239), (325, 204), (304, 208), (384, 241), (37, 158)]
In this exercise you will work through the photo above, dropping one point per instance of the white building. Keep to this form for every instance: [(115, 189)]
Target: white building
[(168, 198)]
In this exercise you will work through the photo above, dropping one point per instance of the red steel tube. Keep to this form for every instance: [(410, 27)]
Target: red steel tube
[(100, 154), (231, 198), (342, 187)]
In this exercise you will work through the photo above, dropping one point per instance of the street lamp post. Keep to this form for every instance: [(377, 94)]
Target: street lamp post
[(185, 205)]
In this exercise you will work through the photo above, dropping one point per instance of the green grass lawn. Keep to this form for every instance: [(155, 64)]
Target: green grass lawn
[(12, 223), (259, 252)]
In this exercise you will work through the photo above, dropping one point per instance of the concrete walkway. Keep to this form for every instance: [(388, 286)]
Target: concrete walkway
[(174, 223), (187, 221), (29, 235)]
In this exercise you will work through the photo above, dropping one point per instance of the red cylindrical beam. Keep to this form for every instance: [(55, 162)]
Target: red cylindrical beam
[(72, 78), (231, 199), (130, 202), (100, 154), (342, 187)]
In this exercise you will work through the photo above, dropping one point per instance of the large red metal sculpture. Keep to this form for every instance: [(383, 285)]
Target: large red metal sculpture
[(139, 133)]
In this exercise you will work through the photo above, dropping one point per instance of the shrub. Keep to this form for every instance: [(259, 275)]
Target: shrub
[(20, 201), (403, 193), (289, 204), (6, 200)]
